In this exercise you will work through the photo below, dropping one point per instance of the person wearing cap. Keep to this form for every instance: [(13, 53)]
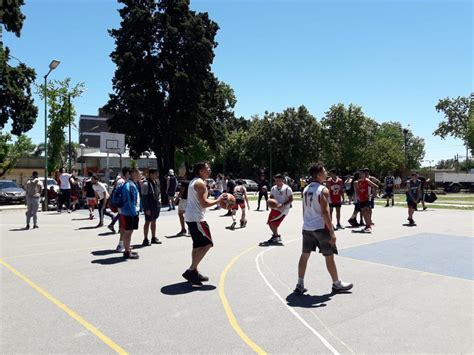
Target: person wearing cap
[(171, 184), (284, 196), (413, 192), (34, 188)]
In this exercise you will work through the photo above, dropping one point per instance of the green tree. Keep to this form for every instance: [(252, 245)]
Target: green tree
[(60, 116), (164, 91), (470, 125), (11, 151)]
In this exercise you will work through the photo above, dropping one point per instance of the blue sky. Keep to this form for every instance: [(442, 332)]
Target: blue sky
[(394, 58)]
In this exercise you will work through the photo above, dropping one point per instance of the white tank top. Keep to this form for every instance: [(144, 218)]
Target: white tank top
[(312, 216), (194, 211)]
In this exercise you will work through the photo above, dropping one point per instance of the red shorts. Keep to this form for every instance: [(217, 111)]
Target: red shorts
[(91, 201), (239, 203), (275, 218)]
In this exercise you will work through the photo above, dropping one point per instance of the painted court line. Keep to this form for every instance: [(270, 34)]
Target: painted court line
[(228, 310), (296, 314), (106, 340)]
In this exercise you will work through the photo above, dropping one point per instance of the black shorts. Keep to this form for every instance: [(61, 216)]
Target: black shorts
[(412, 204), (128, 223), (154, 214), (335, 205), (364, 204), (357, 207), (200, 233), (372, 204), (389, 192)]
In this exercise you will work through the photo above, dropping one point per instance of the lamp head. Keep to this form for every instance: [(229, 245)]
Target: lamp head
[(54, 64)]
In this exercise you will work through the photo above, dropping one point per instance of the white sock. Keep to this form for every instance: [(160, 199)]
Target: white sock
[(121, 243), (337, 282), (301, 281)]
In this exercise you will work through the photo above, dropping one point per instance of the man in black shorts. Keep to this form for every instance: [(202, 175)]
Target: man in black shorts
[(413, 191), (196, 205), (318, 230), (150, 194)]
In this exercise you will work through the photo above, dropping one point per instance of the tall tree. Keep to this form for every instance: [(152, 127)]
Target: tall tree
[(10, 151), (164, 90), (60, 116)]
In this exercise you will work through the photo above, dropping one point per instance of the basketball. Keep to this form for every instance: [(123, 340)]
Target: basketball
[(228, 202), (272, 203)]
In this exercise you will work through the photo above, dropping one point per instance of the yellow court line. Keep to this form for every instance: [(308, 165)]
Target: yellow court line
[(109, 342), (228, 309), (52, 252)]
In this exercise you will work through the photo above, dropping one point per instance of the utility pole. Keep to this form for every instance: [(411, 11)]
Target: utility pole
[(69, 118)]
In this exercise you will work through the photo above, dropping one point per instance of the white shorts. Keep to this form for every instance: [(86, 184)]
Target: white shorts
[(182, 204)]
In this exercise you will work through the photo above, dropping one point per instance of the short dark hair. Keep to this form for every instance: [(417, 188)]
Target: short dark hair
[(198, 167), (90, 173), (34, 173), (125, 170), (239, 182), (152, 171), (333, 171), (94, 177), (134, 170), (316, 169), (278, 176)]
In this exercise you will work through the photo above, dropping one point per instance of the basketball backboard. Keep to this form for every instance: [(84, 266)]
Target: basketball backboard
[(112, 142)]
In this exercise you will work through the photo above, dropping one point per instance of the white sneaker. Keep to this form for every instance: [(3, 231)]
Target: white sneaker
[(120, 248), (341, 286)]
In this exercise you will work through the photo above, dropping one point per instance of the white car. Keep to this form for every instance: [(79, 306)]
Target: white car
[(51, 182), (250, 185)]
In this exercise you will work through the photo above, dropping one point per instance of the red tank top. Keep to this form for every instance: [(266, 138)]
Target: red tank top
[(363, 188), (335, 188)]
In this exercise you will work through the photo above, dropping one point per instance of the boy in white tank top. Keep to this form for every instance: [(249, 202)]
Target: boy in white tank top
[(196, 205), (318, 230)]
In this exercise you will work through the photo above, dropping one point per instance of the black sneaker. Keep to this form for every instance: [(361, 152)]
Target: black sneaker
[(299, 290), (146, 242), (193, 277), (131, 255), (352, 222), (155, 240), (35, 226), (202, 278), (387, 205), (411, 222), (111, 228), (338, 226), (275, 239)]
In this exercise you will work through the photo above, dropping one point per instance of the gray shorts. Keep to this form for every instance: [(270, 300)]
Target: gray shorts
[(319, 238)]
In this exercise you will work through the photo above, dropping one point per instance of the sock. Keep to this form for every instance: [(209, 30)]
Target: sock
[(301, 281), (336, 282), (121, 244)]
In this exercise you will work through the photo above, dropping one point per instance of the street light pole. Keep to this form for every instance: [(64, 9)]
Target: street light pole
[(405, 138), (53, 65), (270, 179), (69, 118)]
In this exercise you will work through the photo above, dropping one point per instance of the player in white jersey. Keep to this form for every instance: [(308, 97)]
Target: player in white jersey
[(284, 196), (318, 230), (196, 205)]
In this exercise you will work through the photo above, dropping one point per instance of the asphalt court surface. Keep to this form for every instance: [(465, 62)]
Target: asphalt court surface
[(413, 289)]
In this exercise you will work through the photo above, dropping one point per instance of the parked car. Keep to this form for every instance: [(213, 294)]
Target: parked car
[(250, 185), (10, 192), (51, 182), (454, 182)]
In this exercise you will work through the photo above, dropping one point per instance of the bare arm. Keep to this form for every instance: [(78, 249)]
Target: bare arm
[(326, 216), (375, 186), (374, 179), (202, 194)]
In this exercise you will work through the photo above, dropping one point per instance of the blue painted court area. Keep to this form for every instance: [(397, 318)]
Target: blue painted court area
[(434, 253)]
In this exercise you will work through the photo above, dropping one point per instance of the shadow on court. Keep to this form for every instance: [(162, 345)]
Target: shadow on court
[(89, 227), (311, 301), (104, 252), (109, 261), (106, 234), (182, 288), (18, 229)]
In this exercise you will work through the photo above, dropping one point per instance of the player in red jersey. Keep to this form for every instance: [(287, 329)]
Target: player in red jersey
[(363, 196), (335, 186)]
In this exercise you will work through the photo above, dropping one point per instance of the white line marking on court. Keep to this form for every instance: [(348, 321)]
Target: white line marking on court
[(320, 337)]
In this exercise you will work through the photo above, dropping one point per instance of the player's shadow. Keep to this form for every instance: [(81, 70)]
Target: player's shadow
[(176, 236), (311, 301), (19, 229), (88, 227), (80, 219), (103, 252), (109, 261), (182, 288), (105, 234), (408, 225)]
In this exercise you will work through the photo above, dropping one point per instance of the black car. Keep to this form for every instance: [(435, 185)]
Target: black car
[(10, 192)]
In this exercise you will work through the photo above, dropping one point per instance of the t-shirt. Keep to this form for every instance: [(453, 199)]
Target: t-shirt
[(413, 188), (312, 214), (239, 192), (64, 182), (335, 190), (101, 190), (89, 188), (282, 195), (363, 190), (389, 181)]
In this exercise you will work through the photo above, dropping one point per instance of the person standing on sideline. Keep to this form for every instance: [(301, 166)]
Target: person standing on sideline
[(349, 189), (398, 183), (425, 184), (181, 201), (413, 192), (150, 194), (218, 188), (65, 187), (89, 193), (34, 188), (284, 196), (389, 184), (196, 206), (262, 191), (318, 230), (336, 193), (129, 212), (171, 184), (102, 195), (119, 181)]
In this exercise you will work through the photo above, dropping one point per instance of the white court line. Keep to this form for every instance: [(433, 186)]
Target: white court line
[(320, 337)]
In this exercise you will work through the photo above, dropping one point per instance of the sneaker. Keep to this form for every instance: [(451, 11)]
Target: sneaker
[(27, 226), (361, 224), (146, 242), (202, 278), (100, 225), (299, 289), (232, 226), (68, 211), (243, 224), (35, 226), (352, 222), (387, 205), (425, 208), (130, 255), (341, 286), (193, 277), (155, 240), (91, 216), (411, 222), (181, 233), (367, 230), (339, 226), (120, 248), (111, 228), (275, 239)]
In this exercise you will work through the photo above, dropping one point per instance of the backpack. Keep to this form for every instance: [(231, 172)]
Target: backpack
[(117, 200), (430, 197)]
